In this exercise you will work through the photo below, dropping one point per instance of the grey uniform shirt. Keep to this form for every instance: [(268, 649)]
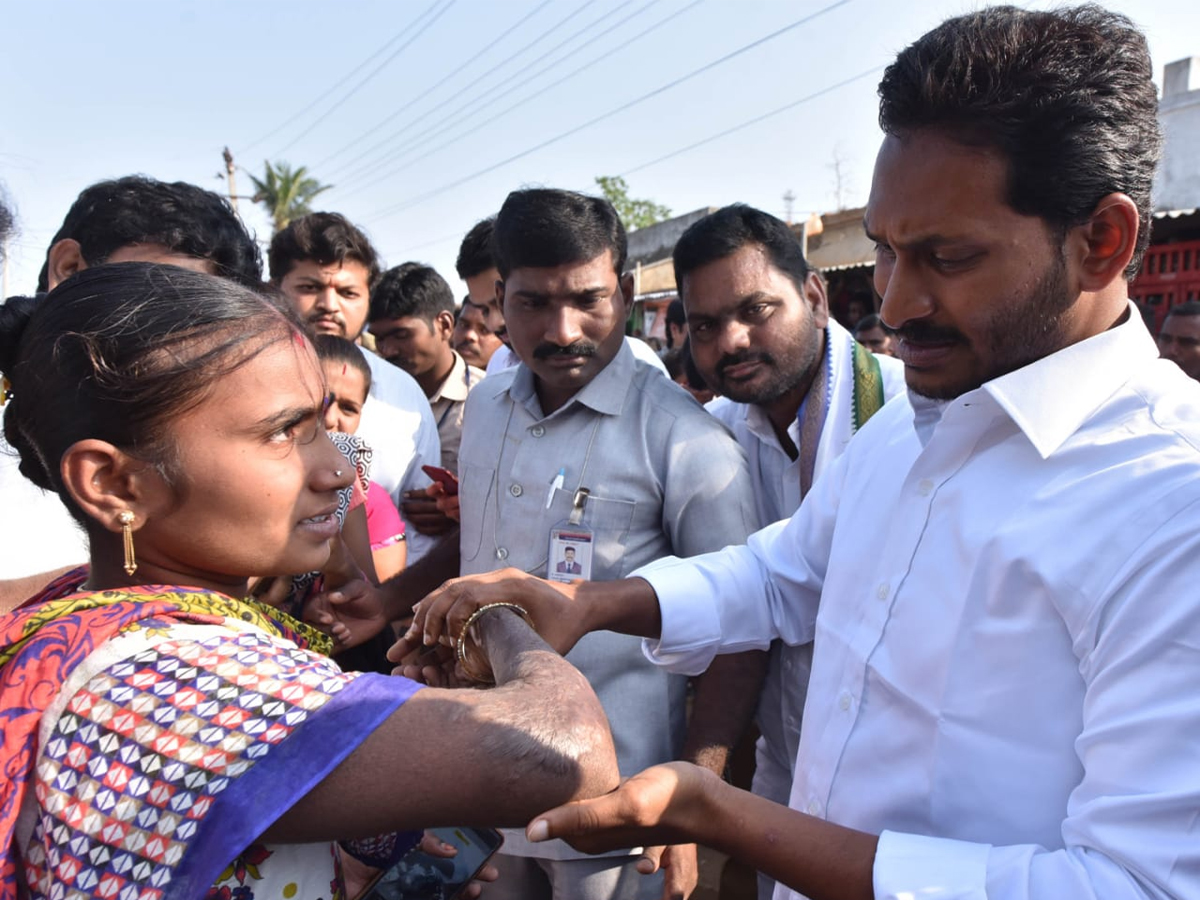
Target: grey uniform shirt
[(665, 479)]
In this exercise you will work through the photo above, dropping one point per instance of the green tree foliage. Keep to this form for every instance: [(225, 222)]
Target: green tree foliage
[(634, 214), (286, 193)]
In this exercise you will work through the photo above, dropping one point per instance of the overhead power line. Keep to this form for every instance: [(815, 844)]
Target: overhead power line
[(455, 70), (406, 159), (421, 198), (400, 132), (282, 125), (754, 121), (425, 27)]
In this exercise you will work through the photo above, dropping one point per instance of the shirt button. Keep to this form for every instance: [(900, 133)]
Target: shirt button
[(501, 553), (882, 592), (844, 700), (516, 490), (537, 430), (925, 487), (813, 807)]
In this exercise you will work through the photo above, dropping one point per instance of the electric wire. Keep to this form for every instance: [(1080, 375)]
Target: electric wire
[(428, 195), (278, 128), (476, 125), (406, 127), (429, 90), (425, 27)]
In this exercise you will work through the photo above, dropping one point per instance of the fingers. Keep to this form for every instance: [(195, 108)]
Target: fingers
[(681, 871), (648, 862), (435, 846)]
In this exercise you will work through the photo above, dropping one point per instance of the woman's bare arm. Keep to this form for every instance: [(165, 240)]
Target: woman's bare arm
[(464, 757)]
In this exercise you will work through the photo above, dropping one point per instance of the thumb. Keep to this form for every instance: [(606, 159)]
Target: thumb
[(578, 818), (650, 859)]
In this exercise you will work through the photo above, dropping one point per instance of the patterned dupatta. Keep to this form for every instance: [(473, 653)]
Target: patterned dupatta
[(44, 640)]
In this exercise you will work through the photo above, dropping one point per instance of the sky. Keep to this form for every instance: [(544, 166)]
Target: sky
[(424, 114)]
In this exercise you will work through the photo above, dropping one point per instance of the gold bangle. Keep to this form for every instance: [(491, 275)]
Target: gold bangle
[(460, 650)]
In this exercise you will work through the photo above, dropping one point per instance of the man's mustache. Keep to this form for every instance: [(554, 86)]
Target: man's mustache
[(579, 348), (737, 359), (924, 333)]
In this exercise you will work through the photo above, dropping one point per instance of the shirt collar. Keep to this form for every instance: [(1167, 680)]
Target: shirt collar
[(605, 393), (454, 386), (1049, 400)]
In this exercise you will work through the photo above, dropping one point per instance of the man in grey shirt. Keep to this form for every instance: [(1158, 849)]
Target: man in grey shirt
[(583, 448)]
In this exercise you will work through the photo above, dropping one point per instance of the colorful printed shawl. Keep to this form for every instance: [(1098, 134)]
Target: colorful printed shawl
[(42, 643)]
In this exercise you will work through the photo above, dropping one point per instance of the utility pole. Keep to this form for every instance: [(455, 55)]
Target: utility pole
[(788, 199), (229, 170)]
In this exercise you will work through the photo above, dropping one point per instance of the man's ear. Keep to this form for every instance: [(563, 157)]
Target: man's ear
[(1105, 243), (443, 324), (816, 298), (627, 291), (105, 481), (499, 294), (64, 260)]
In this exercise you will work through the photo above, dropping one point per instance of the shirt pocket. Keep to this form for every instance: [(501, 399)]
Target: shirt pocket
[(475, 489), (610, 520)]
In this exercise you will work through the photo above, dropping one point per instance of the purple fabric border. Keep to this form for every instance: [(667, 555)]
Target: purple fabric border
[(273, 785)]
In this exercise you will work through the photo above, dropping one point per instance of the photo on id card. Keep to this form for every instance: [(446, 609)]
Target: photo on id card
[(570, 556)]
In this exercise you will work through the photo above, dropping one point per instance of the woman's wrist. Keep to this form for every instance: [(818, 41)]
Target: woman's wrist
[(489, 637)]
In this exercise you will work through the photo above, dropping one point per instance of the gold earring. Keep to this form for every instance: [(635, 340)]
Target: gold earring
[(126, 520)]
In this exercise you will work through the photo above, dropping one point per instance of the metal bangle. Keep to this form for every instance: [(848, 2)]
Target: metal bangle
[(460, 649)]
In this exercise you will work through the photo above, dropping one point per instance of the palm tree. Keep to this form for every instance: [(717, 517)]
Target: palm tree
[(285, 192)]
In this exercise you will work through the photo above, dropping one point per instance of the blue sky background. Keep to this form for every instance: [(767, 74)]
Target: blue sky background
[(100, 90)]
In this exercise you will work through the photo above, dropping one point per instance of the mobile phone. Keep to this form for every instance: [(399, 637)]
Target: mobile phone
[(421, 876), (444, 477)]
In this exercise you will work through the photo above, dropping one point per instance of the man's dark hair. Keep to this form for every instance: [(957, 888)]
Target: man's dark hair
[(542, 228), (1067, 97), (183, 218), (335, 348), (475, 254), (731, 228), (872, 321), (411, 289), (324, 238), (1190, 308)]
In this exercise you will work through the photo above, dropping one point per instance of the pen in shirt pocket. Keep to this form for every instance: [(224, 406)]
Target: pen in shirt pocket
[(556, 483)]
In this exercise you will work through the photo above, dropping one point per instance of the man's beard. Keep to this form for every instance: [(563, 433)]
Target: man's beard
[(787, 372), (1020, 333)]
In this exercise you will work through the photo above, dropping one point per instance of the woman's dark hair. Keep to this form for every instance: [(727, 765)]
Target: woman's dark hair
[(334, 348), (115, 352), (324, 238), (183, 218), (731, 228), (542, 228), (1067, 97)]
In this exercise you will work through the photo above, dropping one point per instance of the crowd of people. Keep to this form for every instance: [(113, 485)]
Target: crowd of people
[(301, 564)]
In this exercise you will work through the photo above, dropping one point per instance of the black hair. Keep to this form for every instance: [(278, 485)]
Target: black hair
[(324, 238), (1190, 308), (680, 363), (335, 348), (676, 313), (183, 218), (411, 289), (475, 254), (1066, 97), (731, 228), (116, 351), (542, 227), (868, 322)]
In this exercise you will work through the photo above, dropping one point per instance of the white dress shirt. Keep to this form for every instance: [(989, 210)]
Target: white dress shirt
[(1007, 651), (398, 425)]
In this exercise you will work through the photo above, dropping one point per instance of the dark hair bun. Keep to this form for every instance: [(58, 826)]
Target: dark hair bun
[(14, 316)]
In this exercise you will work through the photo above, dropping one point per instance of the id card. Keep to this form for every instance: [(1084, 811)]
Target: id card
[(570, 556)]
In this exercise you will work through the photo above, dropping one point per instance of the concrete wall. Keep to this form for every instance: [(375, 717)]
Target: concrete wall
[(1178, 183)]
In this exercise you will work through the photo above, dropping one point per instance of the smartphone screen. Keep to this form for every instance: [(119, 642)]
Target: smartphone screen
[(421, 876)]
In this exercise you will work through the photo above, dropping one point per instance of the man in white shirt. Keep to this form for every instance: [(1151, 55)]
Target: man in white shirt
[(794, 386), (1007, 643), (325, 266)]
